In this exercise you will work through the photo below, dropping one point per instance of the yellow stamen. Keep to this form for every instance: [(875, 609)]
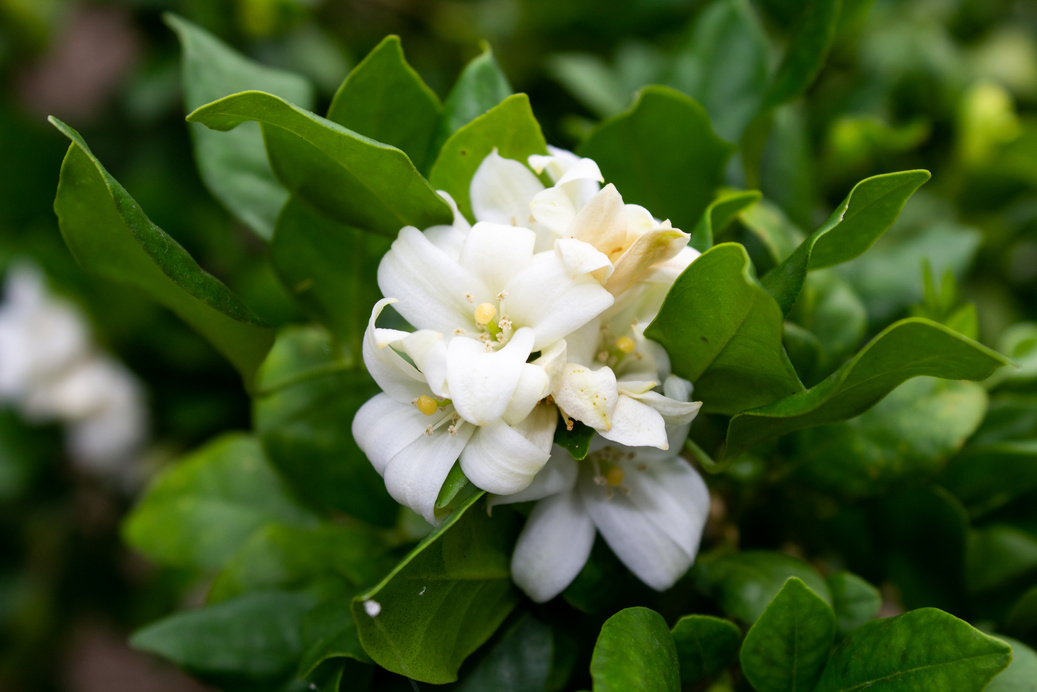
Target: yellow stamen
[(614, 477), (485, 313), (426, 404), (625, 344)]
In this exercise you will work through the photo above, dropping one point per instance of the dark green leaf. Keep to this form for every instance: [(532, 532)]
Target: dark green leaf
[(833, 313), (635, 653), (510, 128), (723, 332), (519, 662), (481, 86), (807, 48), (384, 98), (444, 599), (234, 166), (987, 477), (787, 647), (999, 557), (110, 236), (200, 511), (253, 638), (661, 154), (906, 349), (705, 646), (744, 583), (720, 212), (1021, 673), (854, 600), (577, 440), (1022, 618), (779, 235), (351, 178), (328, 631), (925, 649), (867, 212)]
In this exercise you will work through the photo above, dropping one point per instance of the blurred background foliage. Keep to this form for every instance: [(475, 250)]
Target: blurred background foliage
[(947, 85)]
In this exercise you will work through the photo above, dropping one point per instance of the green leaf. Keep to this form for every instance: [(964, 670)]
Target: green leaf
[(661, 154), (310, 392), (330, 268), (455, 489), (867, 212), (328, 632), (200, 511), (519, 662), (705, 646), (110, 236), (351, 178), (1022, 618), (444, 599), (999, 557), (723, 332), (720, 212), (744, 583), (234, 166), (807, 48), (787, 647), (854, 601), (1018, 342), (510, 128), (909, 348), (924, 649), (577, 441), (987, 477), (291, 558), (635, 653), (255, 638), (1021, 673), (834, 314), (481, 86), (906, 437), (385, 99)]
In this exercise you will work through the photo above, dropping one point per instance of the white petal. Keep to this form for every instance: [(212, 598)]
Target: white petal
[(430, 285), (460, 222), (602, 222), (483, 382), (589, 396), (553, 547), (673, 412), (533, 385), (502, 189), (543, 297), (554, 209), (449, 239), (495, 253), (581, 258), (415, 474), (558, 476), (668, 271), (583, 345), (583, 169), (397, 378), (653, 246), (500, 460), (636, 425), (383, 427), (428, 351), (656, 529), (678, 388)]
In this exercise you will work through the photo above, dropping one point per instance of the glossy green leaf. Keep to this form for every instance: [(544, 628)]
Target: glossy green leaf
[(987, 477), (909, 348), (744, 583), (351, 178), (723, 332), (807, 48), (311, 390), (255, 638), (720, 212), (330, 268), (924, 649), (867, 212), (444, 599), (705, 646), (635, 653), (201, 510), (661, 154), (328, 632), (519, 662), (109, 235), (577, 440), (385, 99), (510, 128), (291, 558), (481, 86), (854, 601), (787, 647), (1021, 673), (906, 437), (234, 166)]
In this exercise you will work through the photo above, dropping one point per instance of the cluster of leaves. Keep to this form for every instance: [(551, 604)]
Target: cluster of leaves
[(315, 576)]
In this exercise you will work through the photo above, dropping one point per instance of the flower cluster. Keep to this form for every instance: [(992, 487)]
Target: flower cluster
[(51, 371), (532, 318)]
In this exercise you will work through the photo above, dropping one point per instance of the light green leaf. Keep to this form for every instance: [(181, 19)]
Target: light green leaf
[(744, 583), (723, 332), (661, 154), (906, 349), (385, 99), (854, 601), (787, 647), (519, 662), (720, 212), (867, 212), (444, 599), (1021, 673), (807, 48), (481, 86), (705, 646), (201, 510), (510, 128), (924, 649), (635, 653), (351, 178), (234, 166), (109, 235)]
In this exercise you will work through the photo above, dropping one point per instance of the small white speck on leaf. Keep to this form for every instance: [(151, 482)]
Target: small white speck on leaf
[(372, 608)]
